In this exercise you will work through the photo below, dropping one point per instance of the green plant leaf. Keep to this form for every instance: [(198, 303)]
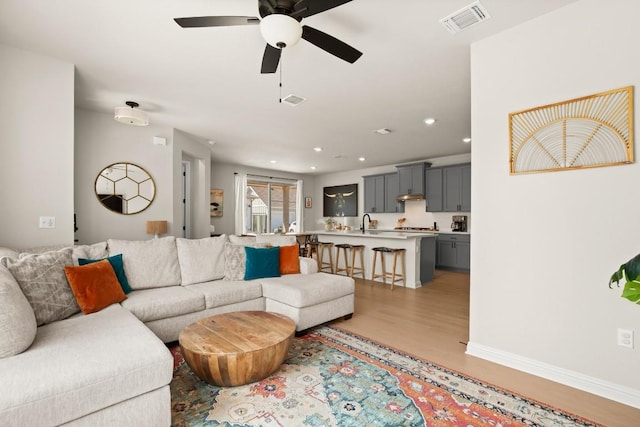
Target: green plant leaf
[(632, 268), (631, 291), (617, 276)]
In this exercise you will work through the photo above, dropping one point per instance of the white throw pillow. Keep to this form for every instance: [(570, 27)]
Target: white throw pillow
[(17, 320), (201, 260), (148, 263), (235, 262), (276, 240), (242, 240)]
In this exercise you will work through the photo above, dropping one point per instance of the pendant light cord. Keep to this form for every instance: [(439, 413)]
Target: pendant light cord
[(281, 66)]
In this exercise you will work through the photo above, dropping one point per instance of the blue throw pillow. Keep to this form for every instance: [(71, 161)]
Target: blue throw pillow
[(118, 267), (262, 262)]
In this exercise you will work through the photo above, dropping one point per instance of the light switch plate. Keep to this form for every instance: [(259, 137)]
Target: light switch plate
[(47, 222)]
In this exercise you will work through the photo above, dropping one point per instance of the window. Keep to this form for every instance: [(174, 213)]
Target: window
[(271, 205)]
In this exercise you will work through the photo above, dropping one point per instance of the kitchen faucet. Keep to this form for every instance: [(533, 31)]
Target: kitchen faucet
[(367, 215)]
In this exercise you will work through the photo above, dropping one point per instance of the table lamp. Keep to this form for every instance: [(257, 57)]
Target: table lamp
[(156, 228)]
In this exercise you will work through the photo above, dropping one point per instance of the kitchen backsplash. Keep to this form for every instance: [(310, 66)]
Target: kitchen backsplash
[(414, 212)]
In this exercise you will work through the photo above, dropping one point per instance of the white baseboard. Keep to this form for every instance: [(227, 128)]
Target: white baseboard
[(622, 394)]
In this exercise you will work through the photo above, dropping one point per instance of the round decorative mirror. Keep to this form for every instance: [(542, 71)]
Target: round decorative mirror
[(125, 188)]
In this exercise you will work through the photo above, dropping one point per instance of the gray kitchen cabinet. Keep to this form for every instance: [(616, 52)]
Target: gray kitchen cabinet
[(457, 188), (374, 194), (412, 177), (454, 251), (433, 189), (391, 190)]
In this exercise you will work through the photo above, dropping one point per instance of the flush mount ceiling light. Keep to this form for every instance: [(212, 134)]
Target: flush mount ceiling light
[(382, 131), (131, 115), (429, 121), (280, 30), (362, 159)]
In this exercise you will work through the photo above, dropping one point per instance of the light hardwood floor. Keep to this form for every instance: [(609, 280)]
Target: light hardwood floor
[(432, 323)]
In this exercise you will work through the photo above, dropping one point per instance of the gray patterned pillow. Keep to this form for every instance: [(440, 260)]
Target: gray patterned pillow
[(42, 280), (235, 260)]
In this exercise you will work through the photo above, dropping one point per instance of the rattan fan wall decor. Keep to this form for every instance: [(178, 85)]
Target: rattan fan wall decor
[(587, 132)]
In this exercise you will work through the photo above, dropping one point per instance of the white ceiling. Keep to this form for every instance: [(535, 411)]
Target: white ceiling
[(207, 81)]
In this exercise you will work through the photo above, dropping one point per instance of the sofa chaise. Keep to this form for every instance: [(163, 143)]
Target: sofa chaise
[(112, 367)]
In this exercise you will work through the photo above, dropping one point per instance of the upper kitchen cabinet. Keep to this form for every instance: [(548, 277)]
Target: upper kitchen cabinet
[(411, 177), (391, 189), (433, 189), (457, 188), (374, 201)]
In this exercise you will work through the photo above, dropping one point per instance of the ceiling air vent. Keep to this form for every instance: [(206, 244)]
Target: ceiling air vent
[(465, 17), (293, 100)]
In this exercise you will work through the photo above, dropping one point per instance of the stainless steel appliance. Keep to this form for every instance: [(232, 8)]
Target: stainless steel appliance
[(459, 223)]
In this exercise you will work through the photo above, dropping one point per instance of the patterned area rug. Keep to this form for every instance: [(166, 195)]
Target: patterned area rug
[(334, 378)]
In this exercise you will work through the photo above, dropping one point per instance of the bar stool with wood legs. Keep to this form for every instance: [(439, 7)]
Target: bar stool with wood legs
[(386, 275), (354, 269), (338, 269), (325, 247)]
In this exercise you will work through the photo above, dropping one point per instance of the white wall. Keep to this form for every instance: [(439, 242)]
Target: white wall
[(545, 245), (415, 211), (101, 141), (36, 148), (199, 156), (222, 176)]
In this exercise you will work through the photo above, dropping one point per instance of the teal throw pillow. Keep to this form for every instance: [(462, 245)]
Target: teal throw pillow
[(118, 267), (262, 262)]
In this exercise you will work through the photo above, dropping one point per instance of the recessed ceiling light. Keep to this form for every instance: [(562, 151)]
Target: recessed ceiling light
[(429, 121), (212, 143), (362, 159), (317, 149), (273, 161), (313, 168), (466, 140), (382, 131)]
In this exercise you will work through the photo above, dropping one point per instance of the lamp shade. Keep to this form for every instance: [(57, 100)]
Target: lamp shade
[(131, 115), (280, 30), (156, 227)]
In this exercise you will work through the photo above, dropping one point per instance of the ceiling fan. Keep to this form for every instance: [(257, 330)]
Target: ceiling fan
[(280, 27)]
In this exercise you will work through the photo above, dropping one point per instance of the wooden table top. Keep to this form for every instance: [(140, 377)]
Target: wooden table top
[(237, 332)]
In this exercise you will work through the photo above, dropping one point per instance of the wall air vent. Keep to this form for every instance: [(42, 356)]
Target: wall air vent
[(293, 100), (465, 17)]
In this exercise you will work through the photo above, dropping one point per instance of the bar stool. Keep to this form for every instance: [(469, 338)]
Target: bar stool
[(386, 275), (338, 269), (322, 264), (354, 269)]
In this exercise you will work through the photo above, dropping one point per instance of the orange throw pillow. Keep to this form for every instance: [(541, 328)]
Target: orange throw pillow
[(95, 286), (289, 262)]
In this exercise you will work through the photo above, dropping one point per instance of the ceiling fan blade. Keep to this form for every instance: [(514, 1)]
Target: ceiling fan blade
[(330, 44), (306, 8), (270, 60), (216, 21)]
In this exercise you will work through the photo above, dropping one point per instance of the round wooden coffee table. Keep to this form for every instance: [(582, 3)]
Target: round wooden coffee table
[(237, 348)]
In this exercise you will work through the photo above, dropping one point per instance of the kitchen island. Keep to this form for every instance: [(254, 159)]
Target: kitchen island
[(420, 251)]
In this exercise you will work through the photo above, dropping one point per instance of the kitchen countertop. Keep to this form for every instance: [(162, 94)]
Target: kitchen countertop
[(377, 234)]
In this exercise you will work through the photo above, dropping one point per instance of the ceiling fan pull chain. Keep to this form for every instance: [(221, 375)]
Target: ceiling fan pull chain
[(281, 64)]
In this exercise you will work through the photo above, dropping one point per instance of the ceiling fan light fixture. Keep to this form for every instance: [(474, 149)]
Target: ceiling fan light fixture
[(131, 115), (280, 30)]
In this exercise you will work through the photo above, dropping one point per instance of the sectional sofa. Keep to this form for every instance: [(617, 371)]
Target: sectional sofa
[(59, 366)]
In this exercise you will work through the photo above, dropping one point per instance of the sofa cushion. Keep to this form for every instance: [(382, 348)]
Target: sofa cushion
[(118, 268), (8, 252), (242, 240), (201, 260), (17, 321), (148, 263), (303, 290), (235, 260), (261, 262), (94, 285), (160, 303), (95, 251), (224, 292), (42, 280), (289, 259), (276, 240), (82, 365)]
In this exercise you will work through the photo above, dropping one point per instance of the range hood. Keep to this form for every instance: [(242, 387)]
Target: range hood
[(405, 197)]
